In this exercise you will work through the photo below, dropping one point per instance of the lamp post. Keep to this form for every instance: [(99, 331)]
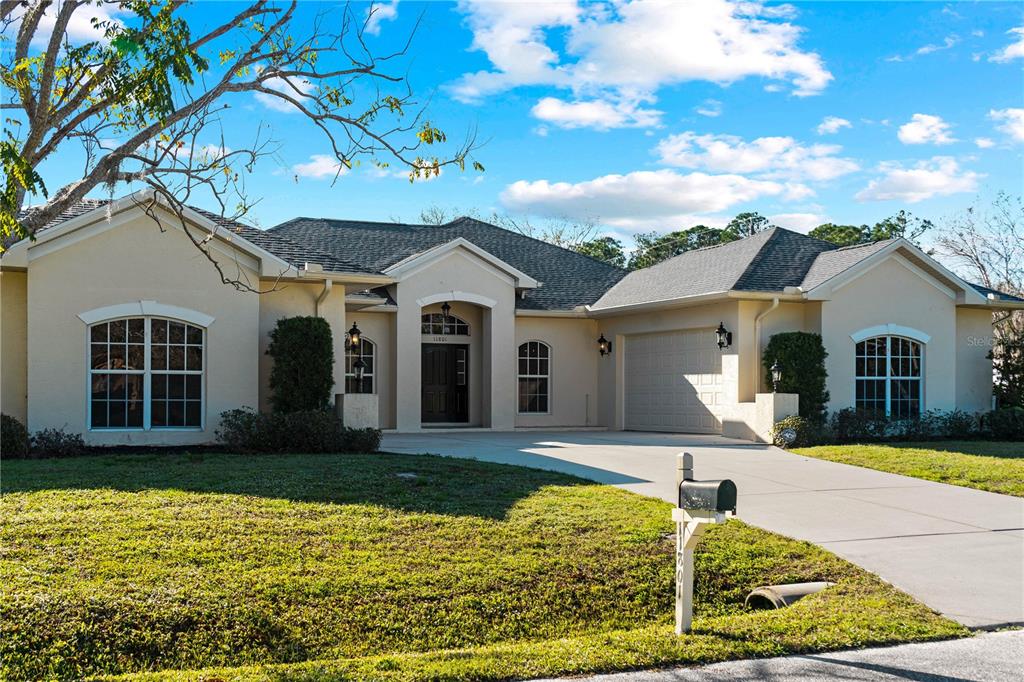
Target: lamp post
[(776, 370)]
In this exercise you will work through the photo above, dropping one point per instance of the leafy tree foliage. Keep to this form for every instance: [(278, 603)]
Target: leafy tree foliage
[(653, 248), (748, 224), (841, 235), (144, 99), (801, 356), (303, 372), (607, 249)]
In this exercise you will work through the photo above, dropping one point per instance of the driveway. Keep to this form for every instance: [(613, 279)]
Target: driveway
[(960, 551)]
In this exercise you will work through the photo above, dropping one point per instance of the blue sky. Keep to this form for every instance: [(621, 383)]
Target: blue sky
[(659, 115)]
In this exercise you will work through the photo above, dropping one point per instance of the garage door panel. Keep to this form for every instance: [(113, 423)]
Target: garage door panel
[(673, 382)]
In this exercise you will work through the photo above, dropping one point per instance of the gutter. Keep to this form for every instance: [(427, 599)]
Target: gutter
[(328, 284), (757, 342)]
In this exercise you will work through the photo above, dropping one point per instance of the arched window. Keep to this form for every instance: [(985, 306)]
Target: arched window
[(889, 376), (365, 351), (534, 378), (436, 324), (146, 373)]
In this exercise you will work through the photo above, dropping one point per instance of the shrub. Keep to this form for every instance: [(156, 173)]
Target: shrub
[(960, 424), (802, 358), (309, 431), (56, 443), (13, 437), (302, 376), (1006, 423), (803, 432), (849, 425)]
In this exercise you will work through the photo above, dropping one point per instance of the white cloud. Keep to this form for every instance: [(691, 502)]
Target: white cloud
[(640, 197), (287, 87), (710, 108), (947, 43), (597, 114), (938, 176), (925, 128), (1012, 122), (319, 167), (626, 51), (832, 124), (798, 222), (1014, 50), (984, 142), (773, 157), (80, 27), (380, 12)]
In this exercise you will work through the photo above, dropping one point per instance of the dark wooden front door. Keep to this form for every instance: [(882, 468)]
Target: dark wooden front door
[(445, 383)]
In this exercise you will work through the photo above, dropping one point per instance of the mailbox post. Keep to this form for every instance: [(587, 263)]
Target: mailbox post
[(701, 503)]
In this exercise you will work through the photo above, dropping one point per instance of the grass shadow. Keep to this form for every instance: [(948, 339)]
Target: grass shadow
[(412, 483)]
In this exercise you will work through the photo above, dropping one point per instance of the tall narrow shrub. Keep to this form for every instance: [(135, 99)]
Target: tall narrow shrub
[(302, 375), (802, 358)]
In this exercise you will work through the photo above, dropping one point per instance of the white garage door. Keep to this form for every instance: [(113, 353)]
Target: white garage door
[(674, 382)]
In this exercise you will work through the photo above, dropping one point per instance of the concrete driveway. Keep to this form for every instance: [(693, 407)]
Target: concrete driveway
[(960, 551)]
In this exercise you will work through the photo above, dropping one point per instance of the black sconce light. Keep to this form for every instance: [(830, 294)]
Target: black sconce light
[(357, 368), (724, 337), (776, 370), (353, 337), (445, 309), (604, 346)]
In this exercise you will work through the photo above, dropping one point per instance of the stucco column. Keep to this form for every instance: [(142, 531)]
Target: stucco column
[(407, 367), (499, 323)]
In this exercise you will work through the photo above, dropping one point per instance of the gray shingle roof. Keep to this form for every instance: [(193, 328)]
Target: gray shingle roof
[(568, 279), (999, 295), (830, 263)]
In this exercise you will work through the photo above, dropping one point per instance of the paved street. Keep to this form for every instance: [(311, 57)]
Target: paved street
[(989, 657), (960, 551)]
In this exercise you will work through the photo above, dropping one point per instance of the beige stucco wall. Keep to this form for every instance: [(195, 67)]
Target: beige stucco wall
[(125, 264), (890, 293), (574, 364), (379, 328), (459, 277), (14, 344), (973, 366)]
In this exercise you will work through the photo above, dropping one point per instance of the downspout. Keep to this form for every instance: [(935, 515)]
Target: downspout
[(757, 343), (323, 294)]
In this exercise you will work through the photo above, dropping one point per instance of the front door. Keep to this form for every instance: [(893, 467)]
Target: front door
[(445, 383)]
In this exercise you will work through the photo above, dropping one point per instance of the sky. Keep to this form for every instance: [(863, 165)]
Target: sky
[(650, 115)]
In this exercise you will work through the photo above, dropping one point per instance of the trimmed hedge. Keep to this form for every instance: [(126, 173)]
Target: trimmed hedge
[(802, 358), (803, 432), (13, 437), (303, 372), (309, 431), (1006, 423)]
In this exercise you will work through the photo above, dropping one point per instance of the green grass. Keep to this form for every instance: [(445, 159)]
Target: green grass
[(994, 466), (345, 567)]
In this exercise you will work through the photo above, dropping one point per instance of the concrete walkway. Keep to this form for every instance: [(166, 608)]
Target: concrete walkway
[(993, 656), (960, 551)]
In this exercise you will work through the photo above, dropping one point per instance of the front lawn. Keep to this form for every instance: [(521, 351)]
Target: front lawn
[(994, 466), (387, 566)]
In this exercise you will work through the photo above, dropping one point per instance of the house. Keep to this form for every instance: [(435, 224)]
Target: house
[(114, 325)]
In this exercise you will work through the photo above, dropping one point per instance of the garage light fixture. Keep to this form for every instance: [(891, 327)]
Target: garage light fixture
[(724, 337), (604, 346)]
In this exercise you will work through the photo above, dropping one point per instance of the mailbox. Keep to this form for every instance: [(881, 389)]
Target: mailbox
[(716, 496)]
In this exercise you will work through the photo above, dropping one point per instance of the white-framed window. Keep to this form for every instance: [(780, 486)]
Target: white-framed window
[(534, 378), (438, 325), (889, 376), (367, 352), (146, 373)]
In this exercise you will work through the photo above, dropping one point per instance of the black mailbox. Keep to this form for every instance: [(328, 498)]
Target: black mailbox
[(717, 496)]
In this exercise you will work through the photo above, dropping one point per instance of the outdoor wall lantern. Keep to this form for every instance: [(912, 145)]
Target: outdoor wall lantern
[(445, 309), (776, 370), (353, 337), (604, 346), (357, 368), (724, 337)]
